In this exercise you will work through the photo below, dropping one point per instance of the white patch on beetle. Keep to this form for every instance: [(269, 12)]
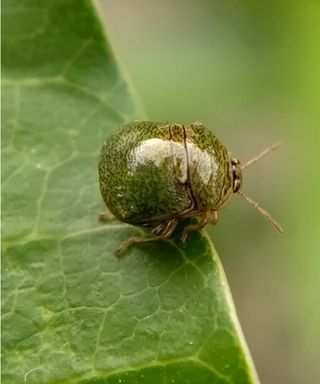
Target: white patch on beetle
[(149, 150), (200, 161), (180, 161), (159, 152)]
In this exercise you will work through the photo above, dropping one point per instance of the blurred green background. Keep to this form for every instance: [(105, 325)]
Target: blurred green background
[(250, 71)]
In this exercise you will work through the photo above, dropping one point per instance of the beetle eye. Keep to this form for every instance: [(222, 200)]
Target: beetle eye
[(236, 185), (236, 175)]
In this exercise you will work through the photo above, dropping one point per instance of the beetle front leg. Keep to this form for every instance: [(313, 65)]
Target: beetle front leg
[(208, 217), (166, 232), (212, 217), (202, 221)]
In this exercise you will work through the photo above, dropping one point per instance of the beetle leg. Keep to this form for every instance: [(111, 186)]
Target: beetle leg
[(202, 221), (106, 216), (166, 232), (159, 228), (212, 217)]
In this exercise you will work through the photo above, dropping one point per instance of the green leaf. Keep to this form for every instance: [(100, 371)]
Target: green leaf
[(72, 311)]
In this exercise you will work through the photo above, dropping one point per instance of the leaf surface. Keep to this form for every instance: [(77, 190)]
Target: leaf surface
[(73, 312)]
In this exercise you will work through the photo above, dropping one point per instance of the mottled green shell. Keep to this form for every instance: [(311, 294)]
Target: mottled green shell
[(152, 172)]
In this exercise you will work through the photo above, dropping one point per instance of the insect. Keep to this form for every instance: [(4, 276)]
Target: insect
[(154, 174)]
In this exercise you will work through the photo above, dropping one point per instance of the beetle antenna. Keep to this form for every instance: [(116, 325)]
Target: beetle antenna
[(261, 154), (263, 212)]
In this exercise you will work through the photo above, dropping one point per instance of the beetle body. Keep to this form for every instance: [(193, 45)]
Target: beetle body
[(155, 174), (151, 173)]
